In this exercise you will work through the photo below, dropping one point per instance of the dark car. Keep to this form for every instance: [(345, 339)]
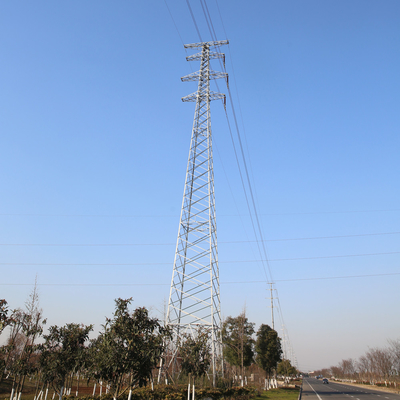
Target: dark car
[(325, 380)]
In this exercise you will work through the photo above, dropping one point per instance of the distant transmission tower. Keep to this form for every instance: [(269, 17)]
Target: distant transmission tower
[(272, 307), (194, 299)]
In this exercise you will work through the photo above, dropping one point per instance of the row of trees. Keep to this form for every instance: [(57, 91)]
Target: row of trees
[(241, 349), (376, 365), (125, 354), (19, 356)]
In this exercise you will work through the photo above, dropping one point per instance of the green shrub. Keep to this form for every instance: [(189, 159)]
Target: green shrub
[(177, 392)]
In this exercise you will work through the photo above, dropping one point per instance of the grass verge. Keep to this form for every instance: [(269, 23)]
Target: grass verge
[(279, 394)]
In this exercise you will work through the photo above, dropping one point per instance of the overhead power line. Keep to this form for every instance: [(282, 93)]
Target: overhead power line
[(250, 201), (176, 27), (222, 283), (220, 262), (221, 242), (174, 216), (194, 20)]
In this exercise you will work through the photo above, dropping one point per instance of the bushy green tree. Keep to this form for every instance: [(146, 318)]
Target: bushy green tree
[(12, 350), (62, 353), (195, 353), (237, 341), (5, 320), (268, 349), (4, 317), (285, 368), (130, 344)]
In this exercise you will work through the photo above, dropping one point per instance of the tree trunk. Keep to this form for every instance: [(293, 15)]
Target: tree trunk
[(242, 348), (116, 392), (37, 387), (77, 386), (5, 367), (21, 386)]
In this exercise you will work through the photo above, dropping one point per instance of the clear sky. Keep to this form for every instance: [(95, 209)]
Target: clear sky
[(94, 141)]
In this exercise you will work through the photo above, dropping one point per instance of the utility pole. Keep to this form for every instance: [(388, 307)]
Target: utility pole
[(284, 342), (194, 300), (272, 306)]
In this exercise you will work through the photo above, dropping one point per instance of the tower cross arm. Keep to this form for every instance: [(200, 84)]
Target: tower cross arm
[(198, 56), (195, 76), (209, 44), (212, 96)]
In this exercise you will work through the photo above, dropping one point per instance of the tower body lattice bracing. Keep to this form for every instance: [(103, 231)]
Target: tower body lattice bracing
[(194, 299)]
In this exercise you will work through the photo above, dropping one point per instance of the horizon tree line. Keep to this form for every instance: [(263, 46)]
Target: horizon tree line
[(124, 355), (378, 365)]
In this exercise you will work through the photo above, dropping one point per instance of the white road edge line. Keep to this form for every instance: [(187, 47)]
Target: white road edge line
[(314, 391)]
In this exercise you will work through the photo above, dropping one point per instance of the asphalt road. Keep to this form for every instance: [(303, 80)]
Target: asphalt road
[(314, 389)]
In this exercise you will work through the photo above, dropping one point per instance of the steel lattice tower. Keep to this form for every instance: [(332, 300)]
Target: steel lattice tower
[(194, 299)]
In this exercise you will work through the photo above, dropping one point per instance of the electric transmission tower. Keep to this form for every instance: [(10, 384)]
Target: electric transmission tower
[(194, 299), (272, 307)]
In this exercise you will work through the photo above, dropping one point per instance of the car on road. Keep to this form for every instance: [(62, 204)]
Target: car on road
[(325, 380)]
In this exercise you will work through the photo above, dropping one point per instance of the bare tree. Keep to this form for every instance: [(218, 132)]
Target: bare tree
[(381, 363), (337, 371), (394, 347), (384, 362), (364, 368), (348, 368), (30, 324)]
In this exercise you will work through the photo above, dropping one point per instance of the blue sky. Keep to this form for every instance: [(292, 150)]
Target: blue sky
[(94, 143)]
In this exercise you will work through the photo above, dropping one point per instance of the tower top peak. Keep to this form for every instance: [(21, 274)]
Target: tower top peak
[(209, 44)]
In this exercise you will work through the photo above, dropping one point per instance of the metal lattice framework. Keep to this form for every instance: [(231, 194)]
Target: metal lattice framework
[(194, 299)]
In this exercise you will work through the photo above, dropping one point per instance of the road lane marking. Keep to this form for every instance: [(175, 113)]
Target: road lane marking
[(314, 391)]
